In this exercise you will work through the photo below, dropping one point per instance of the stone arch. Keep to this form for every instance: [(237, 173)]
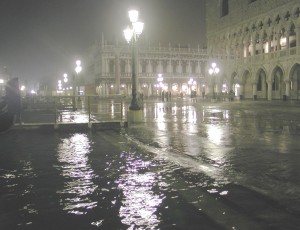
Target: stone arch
[(260, 80), (294, 81), (234, 83), (247, 84), (277, 82)]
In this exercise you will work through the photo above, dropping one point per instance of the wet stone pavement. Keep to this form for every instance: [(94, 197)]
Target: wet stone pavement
[(190, 165)]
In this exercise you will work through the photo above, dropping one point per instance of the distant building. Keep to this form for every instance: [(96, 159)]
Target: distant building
[(159, 68), (256, 44)]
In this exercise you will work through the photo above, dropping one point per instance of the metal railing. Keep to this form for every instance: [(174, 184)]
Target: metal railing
[(64, 109)]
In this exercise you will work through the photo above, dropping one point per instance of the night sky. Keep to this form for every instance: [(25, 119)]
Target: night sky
[(41, 39)]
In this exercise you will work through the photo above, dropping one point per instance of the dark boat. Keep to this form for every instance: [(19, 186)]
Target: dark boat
[(10, 105), (6, 118)]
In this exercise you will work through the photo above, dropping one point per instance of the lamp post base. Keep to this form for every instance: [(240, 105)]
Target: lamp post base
[(134, 116)]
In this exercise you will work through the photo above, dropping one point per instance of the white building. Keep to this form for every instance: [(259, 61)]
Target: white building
[(109, 69), (256, 44)]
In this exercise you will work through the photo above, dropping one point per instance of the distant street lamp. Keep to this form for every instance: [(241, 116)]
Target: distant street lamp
[(78, 70), (213, 71), (65, 78), (131, 35)]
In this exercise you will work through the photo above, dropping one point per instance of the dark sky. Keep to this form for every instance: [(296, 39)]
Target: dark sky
[(40, 39)]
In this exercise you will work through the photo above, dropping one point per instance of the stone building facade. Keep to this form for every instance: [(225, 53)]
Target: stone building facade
[(256, 44), (159, 68)]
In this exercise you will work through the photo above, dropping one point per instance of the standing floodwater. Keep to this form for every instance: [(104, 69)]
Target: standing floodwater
[(191, 165)]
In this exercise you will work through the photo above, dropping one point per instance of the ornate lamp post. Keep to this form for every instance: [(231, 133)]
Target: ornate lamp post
[(131, 35), (78, 69), (213, 71)]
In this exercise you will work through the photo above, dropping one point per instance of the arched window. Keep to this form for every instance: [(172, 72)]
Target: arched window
[(225, 8), (259, 85), (275, 84), (292, 36)]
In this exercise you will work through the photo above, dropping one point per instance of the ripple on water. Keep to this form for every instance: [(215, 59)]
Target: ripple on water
[(140, 202), (74, 167)]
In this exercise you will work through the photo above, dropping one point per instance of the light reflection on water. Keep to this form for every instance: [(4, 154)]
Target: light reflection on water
[(73, 157), (140, 201)]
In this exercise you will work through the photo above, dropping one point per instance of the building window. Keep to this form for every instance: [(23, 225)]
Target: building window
[(225, 8)]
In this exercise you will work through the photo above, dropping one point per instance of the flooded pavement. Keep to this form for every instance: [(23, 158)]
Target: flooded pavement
[(191, 165)]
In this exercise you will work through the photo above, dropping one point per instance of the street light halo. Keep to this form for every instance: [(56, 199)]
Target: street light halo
[(128, 33), (78, 62), (138, 27), (78, 69), (133, 15)]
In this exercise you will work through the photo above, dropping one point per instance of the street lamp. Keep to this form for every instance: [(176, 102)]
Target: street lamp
[(78, 69), (65, 78), (213, 71), (131, 35)]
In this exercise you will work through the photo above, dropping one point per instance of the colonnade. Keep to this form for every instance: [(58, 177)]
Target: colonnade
[(112, 69)]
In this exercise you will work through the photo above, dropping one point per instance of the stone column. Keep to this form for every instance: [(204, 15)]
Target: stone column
[(211, 92), (269, 90), (278, 42), (254, 90), (117, 73), (107, 70), (198, 68), (169, 67), (287, 88), (241, 91), (261, 44), (219, 87), (269, 45), (241, 50), (127, 67), (288, 41), (297, 37), (252, 48)]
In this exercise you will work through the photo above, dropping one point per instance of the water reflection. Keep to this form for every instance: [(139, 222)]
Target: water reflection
[(74, 117), (73, 157), (140, 202), (215, 134)]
